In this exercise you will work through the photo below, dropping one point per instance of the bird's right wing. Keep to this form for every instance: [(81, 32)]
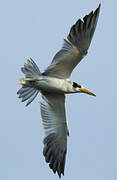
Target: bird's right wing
[(74, 48), (54, 122)]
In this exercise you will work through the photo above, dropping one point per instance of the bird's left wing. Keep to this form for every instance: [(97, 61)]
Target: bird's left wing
[(74, 48), (54, 122)]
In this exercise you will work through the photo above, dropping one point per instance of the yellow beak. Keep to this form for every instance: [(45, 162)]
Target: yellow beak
[(86, 91)]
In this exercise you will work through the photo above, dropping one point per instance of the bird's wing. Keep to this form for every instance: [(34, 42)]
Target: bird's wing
[(56, 130), (74, 48)]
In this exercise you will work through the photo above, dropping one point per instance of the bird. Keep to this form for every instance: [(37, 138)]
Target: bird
[(54, 84)]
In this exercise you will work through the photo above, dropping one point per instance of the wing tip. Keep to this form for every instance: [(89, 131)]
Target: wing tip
[(99, 6), (82, 31), (98, 9), (54, 155)]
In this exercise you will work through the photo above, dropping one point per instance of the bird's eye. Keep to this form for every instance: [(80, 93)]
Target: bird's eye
[(76, 85)]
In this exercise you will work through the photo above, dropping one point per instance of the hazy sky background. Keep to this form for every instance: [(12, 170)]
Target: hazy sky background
[(35, 28)]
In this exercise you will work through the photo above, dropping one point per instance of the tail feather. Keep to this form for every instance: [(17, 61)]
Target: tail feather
[(28, 95), (25, 93), (32, 98), (23, 89), (30, 69), (32, 73), (33, 64)]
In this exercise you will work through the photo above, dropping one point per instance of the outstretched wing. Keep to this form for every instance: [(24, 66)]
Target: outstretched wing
[(54, 122), (74, 48)]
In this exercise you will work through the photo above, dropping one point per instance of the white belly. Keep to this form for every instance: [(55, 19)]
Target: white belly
[(50, 84)]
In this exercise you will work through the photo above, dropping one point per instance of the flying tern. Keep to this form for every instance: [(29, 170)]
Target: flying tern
[(53, 84)]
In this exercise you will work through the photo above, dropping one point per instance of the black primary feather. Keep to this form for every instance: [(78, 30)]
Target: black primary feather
[(54, 155), (81, 32)]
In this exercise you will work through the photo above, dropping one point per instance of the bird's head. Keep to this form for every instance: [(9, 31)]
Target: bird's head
[(79, 88)]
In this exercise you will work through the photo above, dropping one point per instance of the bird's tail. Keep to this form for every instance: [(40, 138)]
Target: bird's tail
[(32, 73)]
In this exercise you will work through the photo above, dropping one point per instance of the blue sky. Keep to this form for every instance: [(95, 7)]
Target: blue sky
[(34, 28)]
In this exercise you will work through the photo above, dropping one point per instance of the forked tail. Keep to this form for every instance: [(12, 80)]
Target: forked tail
[(32, 73)]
